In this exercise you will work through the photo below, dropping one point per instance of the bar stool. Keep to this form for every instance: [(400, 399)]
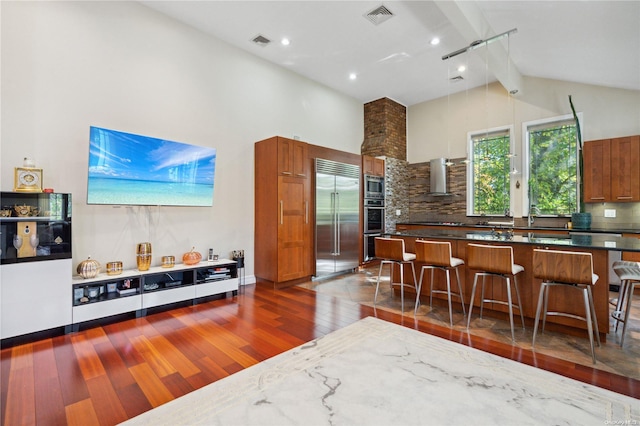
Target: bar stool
[(568, 269), (494, 261), (629, 274), (437, 255), (391, 251)]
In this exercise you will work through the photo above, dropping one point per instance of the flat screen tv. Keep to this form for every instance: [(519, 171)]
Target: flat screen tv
[(129, 169)]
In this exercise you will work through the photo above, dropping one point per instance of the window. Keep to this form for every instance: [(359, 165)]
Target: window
[(551, 175), (488, 178)]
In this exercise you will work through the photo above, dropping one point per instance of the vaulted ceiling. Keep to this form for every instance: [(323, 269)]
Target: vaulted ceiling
[(592, 42)]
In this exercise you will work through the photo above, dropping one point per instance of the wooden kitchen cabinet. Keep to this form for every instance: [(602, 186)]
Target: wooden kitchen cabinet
[(611, 172), (292, 158), (372, 166), (596, 157), (282, 215), (625, 169)]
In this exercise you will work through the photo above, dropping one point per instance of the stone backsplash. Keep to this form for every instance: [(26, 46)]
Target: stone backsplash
[(441, 208), (397, 184)]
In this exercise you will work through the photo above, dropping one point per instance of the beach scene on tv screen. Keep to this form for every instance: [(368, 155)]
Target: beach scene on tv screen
[(130, 169)]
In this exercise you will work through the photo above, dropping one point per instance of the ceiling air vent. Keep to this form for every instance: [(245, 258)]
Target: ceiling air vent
[(379, 15), (261, 40)]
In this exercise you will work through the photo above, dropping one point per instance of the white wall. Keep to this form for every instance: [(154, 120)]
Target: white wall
[(69, 65), (439, 128)]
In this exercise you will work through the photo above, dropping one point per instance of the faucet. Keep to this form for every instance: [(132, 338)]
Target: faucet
[(533, 211)]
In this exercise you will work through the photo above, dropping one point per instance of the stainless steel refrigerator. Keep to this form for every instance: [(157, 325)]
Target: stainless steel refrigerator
[(337, 217)]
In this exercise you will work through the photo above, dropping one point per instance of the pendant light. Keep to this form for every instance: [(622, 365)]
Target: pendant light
[(512, 102), (448, 161), (467, 159)]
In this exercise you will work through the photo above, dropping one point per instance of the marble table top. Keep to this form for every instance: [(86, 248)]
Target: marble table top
[(378, 373)]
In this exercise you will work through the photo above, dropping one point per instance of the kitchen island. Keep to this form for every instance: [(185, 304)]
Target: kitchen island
[(523, 243)]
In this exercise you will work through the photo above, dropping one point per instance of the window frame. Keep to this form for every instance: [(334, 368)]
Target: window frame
[(547, 122), (509, 130)]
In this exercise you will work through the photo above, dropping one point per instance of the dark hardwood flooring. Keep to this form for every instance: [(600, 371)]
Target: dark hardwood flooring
[(110, 373)]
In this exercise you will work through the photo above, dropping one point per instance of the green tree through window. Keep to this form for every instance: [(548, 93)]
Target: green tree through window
[(552, 168), (491, 184)]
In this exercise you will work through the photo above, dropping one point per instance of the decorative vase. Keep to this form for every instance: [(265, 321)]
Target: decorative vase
[(114, 268), (89, 268), (143, 256), (581, 220)]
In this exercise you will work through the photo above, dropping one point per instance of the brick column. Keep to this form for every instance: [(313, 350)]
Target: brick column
[(385, 129)]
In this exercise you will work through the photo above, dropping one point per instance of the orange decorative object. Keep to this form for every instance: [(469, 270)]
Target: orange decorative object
[(88, 268), (192, 257)]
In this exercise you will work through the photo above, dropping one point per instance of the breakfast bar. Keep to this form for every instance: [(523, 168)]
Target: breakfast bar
[(523, 243)]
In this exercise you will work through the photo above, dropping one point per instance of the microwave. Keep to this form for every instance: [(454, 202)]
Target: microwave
[(373, 187)]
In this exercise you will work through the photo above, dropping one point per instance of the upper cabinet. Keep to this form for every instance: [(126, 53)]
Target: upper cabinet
[(611, 172), (372, 166), (597, 171), (625, 169), (292, 158)]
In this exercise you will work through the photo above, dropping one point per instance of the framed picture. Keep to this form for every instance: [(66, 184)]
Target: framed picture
[(27, 179), (111, 287)]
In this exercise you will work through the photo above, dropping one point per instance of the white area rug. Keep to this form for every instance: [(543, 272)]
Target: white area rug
[(378, 373)]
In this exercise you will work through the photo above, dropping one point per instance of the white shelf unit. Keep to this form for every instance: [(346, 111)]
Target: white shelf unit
[(156, 287)]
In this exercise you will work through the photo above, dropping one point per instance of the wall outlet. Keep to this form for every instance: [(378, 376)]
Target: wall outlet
[(398, 212), (609, 212)]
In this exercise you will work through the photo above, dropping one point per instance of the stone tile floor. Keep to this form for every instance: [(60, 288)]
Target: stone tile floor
[(360, 288)]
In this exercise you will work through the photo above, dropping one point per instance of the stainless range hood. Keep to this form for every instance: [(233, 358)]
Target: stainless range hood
[(438, 177)]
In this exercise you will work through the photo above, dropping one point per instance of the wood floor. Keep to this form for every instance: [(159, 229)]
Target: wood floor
[(107, 374)]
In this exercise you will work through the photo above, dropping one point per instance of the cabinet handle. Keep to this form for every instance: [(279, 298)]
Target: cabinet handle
[(306, 212), (286, 173), (624, 198), (281, 212), (301, 175), (596, 198)]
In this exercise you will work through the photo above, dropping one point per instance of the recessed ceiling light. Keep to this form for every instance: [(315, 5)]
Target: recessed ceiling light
[(461, 68), (285, 41), (435, 41), (353, 76)]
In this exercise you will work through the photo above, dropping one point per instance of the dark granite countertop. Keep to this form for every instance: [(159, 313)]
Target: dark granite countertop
[(532, 228), (593, 241)]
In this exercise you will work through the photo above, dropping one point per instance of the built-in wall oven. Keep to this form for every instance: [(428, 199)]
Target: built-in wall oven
[(373, 225), (373, 216), (373, 187)]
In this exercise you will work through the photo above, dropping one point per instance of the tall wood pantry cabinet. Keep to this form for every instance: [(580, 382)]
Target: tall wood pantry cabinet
[(282, 210)]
